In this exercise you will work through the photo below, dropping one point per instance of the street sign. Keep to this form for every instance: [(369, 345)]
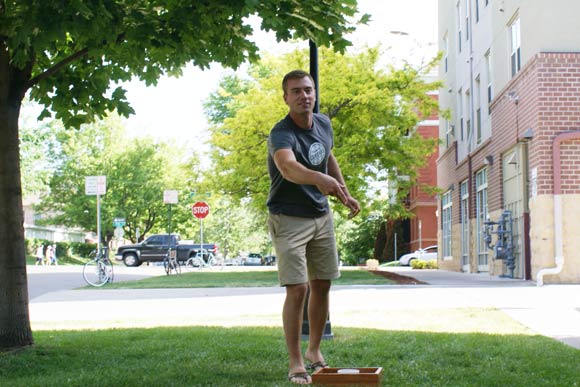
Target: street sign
[(119, 232), (170, 196), (118, 222), (200, 210), (95, 185)]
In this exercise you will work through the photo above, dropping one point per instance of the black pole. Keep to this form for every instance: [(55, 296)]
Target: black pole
[(327, 334), (314, 72)]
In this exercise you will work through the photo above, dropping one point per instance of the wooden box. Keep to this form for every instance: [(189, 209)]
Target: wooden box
[(366, 376)]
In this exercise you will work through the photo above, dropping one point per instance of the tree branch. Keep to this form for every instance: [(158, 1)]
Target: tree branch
[(57, 67), (332, 113)]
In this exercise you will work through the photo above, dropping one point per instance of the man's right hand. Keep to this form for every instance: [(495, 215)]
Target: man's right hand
[(328, 185)]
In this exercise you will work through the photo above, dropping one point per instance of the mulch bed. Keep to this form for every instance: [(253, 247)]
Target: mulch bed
[(398, 278)]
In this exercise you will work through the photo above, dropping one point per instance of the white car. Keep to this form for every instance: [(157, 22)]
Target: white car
[(426, 254), (253, 259)]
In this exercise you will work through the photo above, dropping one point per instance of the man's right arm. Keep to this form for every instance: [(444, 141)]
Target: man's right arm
[(297, 173)]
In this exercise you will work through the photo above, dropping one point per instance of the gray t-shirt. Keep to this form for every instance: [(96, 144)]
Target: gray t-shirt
[(311, 148)]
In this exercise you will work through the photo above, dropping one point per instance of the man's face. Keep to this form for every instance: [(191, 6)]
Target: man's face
[(300, 95)]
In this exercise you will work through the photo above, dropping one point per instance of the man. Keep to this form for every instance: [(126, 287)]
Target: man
[(303, 171)]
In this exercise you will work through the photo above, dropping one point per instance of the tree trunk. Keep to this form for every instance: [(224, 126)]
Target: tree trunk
[(15, 329)]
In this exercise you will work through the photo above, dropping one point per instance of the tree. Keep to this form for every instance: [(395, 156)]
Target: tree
[(67, 54), (137, 172), (373, 113)]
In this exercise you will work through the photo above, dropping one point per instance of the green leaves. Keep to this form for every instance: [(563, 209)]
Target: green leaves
[(373, 113), (84, 46)]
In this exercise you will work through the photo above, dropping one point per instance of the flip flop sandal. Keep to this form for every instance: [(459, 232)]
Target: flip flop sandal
[(303, 376), (316, 366)]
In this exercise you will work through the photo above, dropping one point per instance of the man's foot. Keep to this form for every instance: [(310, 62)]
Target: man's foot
[(315, 361), (316, 366), (299, 378)]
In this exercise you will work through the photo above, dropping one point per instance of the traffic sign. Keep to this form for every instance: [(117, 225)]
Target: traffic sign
[(118, 222), (200, 210), (95, 185), (119, 232), (170, 196)]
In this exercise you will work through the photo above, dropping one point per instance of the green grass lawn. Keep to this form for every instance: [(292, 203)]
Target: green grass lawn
[(205, 279), (256, 357)]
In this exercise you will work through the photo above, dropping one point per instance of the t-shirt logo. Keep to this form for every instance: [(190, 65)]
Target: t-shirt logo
[(316, 153)]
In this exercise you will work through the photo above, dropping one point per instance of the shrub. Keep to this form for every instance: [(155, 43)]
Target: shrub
[(418, 264)]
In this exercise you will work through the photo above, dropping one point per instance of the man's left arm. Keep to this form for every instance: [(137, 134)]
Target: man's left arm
[(334, 171)]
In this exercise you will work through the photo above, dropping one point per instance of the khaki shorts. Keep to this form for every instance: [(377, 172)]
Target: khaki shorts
[(305, 248)]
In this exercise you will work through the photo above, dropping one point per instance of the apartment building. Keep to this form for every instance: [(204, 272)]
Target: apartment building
[(423, 224), (511, 144)]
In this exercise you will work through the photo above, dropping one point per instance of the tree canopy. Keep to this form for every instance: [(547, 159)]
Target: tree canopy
[(68, 54), (373, 112)]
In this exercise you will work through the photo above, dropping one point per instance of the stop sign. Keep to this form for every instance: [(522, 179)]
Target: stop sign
[(200, 210)]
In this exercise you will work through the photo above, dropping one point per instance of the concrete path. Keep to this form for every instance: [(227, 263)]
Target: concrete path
[(551, 310)]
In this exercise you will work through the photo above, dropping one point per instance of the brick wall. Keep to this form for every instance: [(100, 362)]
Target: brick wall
[(558, 111)]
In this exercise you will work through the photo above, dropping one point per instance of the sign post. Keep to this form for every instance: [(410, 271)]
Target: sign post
[(97, 185), (200, 210), (169, 197), (118, 224)]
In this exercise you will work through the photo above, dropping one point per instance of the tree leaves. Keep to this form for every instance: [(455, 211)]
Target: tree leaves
[(373, 113)]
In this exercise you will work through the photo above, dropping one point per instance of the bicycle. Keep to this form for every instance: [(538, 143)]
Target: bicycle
[(202, 259), (99, 270), (170, 262)]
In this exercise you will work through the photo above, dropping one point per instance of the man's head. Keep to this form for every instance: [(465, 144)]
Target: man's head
[(295, 74), (299, 92)]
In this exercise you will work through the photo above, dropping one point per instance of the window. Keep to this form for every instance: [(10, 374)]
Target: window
[(516, 61), (468, 121), (156, 240), (464, 213), (488, 76), (446, 52), (446, 205), (458, 17), (478, 109), (460, 111), (449, 134), (481, 216)]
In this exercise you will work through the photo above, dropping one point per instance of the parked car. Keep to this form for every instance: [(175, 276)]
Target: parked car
[(426, 254), (270, 260), (154, 249), (253, 259)]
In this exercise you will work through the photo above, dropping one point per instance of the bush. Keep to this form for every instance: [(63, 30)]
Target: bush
[(65, 251), (417, 264), (82, 249)]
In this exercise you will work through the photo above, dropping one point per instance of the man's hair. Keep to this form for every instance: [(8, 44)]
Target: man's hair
[(295, 74)]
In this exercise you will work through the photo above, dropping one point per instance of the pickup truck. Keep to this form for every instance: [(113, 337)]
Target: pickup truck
[(154, 249)]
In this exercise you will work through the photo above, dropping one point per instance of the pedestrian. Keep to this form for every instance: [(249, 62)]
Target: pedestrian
[(53, 259), (48, 255), (303, 172), (39, 255)]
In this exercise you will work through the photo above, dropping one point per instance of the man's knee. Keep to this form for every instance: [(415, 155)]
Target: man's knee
[(297, 291), (320, 286)]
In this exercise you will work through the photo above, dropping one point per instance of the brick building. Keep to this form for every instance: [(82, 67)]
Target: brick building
[(423, 205), (511, 145)]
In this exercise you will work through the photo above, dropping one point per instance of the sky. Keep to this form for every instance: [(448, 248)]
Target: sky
[(173, 109)]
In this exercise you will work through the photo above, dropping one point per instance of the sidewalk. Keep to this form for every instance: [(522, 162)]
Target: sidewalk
[(551, 310)]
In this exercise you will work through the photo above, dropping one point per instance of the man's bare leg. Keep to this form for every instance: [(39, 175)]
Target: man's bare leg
[(318, 302), (292, 316)]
